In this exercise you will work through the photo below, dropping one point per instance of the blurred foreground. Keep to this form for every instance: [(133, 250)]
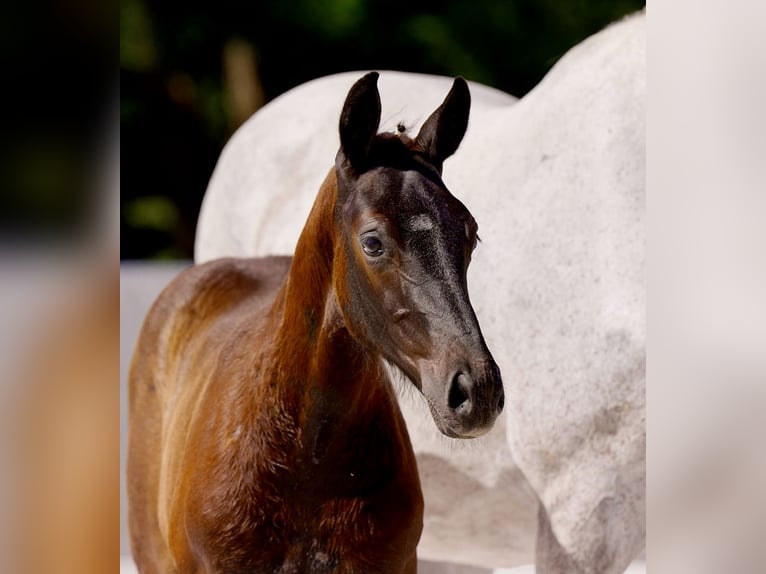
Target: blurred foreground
[(59, 393), (706, 362), (59, 410)]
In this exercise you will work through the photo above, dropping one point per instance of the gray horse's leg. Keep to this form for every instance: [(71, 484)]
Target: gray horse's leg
[(550, 556), (593, 552)]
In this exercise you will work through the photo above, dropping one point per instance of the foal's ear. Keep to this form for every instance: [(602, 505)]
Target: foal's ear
[(359, 120), (443, 131)]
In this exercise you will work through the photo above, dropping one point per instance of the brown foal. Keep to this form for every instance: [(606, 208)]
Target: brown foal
[(265, 435)]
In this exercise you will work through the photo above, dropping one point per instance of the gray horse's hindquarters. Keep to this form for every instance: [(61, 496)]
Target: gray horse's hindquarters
[(556, 183)]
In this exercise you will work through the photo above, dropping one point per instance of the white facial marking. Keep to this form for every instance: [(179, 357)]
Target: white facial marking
[(421, 222)]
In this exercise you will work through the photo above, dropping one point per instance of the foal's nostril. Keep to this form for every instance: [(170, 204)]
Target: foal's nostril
[(458, 399), (501, 402)]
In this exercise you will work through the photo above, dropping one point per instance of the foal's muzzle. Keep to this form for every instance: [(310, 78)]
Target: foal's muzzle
[(474, 399)]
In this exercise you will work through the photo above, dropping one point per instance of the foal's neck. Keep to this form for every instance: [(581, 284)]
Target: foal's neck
[(315, 347)]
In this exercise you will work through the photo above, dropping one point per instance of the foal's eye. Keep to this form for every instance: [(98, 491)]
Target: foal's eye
[(372, 246)]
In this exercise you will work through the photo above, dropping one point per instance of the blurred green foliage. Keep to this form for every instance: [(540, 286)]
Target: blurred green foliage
[(58, 84), (174, 85)]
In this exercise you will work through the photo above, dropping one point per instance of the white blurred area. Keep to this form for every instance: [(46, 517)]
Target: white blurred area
[(707, 287)]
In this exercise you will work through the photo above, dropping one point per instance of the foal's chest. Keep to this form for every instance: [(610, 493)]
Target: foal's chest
[(352, 505), (376, 533)]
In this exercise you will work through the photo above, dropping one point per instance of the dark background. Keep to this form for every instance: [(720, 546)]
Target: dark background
[(190, 74)]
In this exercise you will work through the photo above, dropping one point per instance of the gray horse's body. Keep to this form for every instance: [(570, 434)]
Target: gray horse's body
[(556, 182)]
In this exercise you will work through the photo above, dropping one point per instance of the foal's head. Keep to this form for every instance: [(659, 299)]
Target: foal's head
[(403, 249)]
